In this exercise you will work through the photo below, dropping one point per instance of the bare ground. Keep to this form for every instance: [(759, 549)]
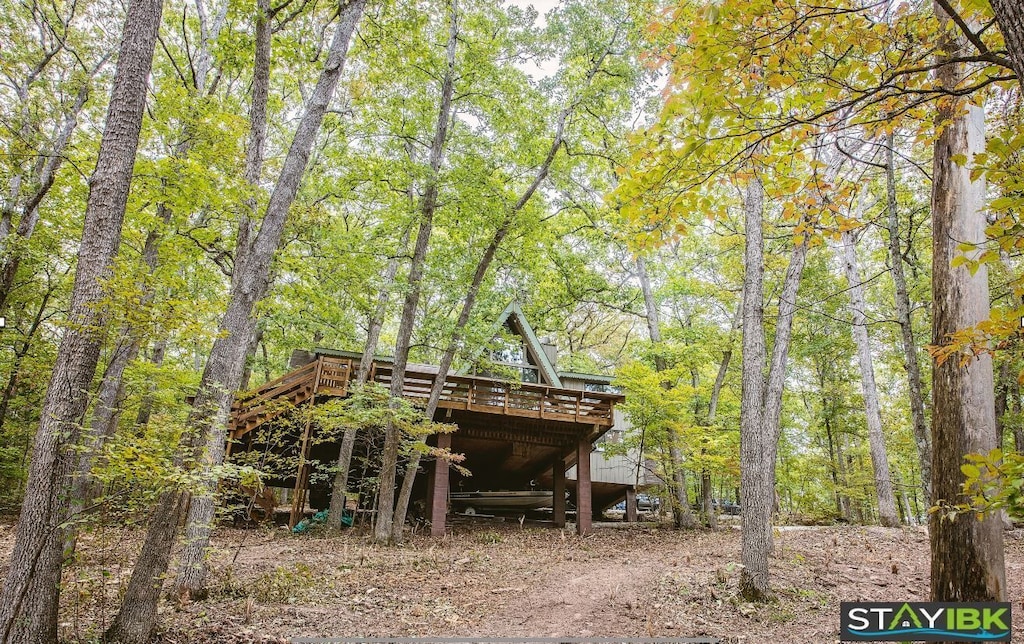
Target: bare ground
[(503, 580)]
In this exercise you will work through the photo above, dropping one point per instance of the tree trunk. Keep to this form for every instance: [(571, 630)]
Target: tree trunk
[(761, 400), (348, 439), (755, 467), (106, 409), (30, 207), (887, 514), (146, 404), (259, 95), (250, 281), (1018, 430), (35, 564), (834, 467), (21, 352), (469, 302), (392, 436), (133, 621), (902, 302), (967, 553), (910, 514), (223, 370), (716, 390), (682, 515), (1010, 16)]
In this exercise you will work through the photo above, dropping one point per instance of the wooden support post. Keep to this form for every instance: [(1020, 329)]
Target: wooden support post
[(439, 490), (301, 477), (302, 472), (631, 505), (583, 501), (558, 476)]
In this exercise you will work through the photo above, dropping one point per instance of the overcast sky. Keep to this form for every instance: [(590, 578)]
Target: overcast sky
[(542, 6)]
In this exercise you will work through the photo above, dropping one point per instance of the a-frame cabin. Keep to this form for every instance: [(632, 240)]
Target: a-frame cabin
[(513, 431)]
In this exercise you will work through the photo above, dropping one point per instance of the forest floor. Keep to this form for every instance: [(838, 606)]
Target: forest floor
[(493, 579)]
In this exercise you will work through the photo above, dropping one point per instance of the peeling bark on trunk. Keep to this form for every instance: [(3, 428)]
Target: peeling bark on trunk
[(902, 301), (967, 553), (29, 601), (887, 514)]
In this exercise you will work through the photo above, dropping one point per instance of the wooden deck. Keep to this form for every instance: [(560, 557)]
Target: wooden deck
[(330, 376)]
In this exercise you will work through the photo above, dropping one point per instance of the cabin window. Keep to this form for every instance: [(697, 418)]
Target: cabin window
[(511, 354)]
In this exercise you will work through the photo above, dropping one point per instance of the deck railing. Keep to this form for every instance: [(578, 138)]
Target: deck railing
[(331, 377)]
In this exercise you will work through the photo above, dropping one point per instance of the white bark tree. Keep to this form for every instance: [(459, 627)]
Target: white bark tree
[(887, 514)]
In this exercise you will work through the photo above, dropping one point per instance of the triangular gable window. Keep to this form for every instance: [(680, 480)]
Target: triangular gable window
[(510, 353), (515, 353)]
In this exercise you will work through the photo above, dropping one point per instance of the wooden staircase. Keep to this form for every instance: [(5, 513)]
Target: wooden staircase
[(324, 376)]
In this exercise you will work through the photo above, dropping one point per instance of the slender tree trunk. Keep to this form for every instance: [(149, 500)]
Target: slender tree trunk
[(250, 357), (348, 439), (259, 95), (29, 601), (873, 411), (716, 391), (1015, 405), (476, 283), (902, 302), (250, 281), (967, 552), (20, 353), (682, 515), (911, 516), (223, 371), (1010, 17), (392, 436), (110, 394), (834, 468), (761, 404), (755, 469), (106, 409), (146, 404), (29, 208), (134, 620)]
